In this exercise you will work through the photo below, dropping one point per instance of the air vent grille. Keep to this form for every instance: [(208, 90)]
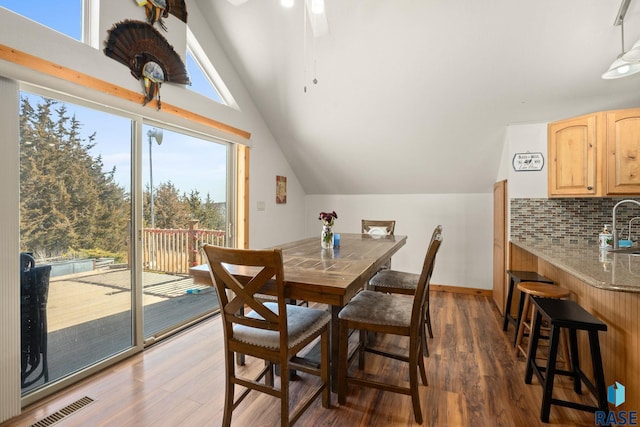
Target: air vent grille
[(58, 416)]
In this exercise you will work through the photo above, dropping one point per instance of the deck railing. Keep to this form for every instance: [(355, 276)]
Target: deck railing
[(175, 250)]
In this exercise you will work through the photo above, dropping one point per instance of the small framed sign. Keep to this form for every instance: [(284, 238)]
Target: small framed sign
[(528, 162), (281, 189)]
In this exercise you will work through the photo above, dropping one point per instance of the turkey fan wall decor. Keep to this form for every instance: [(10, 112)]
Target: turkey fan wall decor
[(148, 55), (158, 9)]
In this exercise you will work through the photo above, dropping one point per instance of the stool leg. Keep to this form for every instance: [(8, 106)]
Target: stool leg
[(550, 374), (564, 347), (533, 347), (598, 373), (534, 313), (507, 308), (520, 329), (575, 361), (523, 300)]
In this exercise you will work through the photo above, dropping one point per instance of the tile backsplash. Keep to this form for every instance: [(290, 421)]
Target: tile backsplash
[(570, 220)]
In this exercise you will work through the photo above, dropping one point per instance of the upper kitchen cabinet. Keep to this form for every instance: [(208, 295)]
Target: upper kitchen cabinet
[(595, 155), (623, 152), (574, 152)]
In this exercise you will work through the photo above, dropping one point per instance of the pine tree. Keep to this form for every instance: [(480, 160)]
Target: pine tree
[(67, 200)]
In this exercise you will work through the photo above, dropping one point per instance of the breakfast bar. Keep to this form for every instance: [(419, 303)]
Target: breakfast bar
[(607, 285)]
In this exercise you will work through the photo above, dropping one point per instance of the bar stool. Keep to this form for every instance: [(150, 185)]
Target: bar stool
[(569, 315), (527, 290), (515, 277)]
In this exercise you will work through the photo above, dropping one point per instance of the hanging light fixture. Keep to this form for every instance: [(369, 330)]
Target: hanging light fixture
[(624, 65), (287, 3), (633, 55), (621, 67)]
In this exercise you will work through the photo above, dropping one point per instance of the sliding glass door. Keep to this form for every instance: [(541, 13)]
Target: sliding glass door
[(184, 206), (75, 238), (110, 224)]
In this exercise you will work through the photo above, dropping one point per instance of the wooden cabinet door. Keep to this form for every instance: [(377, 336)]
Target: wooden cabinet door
[(573, 157), (623, 152), (499, 244)]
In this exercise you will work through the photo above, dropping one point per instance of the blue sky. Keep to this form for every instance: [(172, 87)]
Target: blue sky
[(189, 163)]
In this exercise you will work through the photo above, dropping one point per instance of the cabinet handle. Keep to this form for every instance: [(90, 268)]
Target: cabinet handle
[(589, 188)]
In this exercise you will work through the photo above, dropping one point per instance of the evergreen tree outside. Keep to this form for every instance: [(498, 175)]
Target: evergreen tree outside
[(69, 203), (66, 200)]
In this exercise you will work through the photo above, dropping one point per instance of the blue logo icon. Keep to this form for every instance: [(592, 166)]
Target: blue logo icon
[(615, 394)]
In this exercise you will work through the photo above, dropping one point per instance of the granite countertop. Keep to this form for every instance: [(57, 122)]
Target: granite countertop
[(599, 268)]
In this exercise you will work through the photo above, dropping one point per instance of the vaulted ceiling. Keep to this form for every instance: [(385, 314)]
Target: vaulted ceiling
[(414, 96)]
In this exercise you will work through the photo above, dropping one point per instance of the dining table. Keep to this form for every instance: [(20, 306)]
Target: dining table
[(329, 276)]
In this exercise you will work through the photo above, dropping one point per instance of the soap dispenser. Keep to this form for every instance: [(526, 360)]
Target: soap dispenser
[(605, 239)]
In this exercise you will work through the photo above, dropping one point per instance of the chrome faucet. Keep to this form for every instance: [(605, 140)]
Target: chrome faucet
[(616, 244), (630, 221)]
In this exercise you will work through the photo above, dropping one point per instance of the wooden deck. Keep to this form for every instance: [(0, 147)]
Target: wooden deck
[(89, 314), (85, 297)]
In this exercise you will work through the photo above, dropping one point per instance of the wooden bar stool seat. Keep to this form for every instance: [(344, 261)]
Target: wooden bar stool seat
[(566, 315), (515, 277), (527, 290)]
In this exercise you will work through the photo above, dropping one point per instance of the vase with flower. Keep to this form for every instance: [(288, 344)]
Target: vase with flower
[(326, 238)]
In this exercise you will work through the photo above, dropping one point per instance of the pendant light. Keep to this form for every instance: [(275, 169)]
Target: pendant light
[(622, 67), (633, 55), (287, 3)]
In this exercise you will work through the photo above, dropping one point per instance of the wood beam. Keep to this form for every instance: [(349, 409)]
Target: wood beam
[(56, 70)]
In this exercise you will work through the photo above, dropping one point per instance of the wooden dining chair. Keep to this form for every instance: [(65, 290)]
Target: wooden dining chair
[(273, 331), (371, 311), (370, 226), (401, 282), (374, 227)]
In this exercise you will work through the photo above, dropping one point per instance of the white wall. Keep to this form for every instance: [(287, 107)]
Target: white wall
[(275, 224), (522, 139), (465, 258)]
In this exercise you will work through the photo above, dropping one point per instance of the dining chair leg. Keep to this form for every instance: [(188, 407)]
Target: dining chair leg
[(425, 325), (413, 384), (229, 392), (324, 369), (361, 346), (423, 372), (284, 393), (425, 344), (428, 319), (343, 355), (268, 378)]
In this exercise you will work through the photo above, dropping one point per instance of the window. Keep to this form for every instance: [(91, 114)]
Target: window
[(200, 83), (62, 16), (204, 77)]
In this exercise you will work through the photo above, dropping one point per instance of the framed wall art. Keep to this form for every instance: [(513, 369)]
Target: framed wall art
[(281, 189)]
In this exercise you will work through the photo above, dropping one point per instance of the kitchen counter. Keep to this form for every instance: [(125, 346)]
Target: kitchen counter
[(601, 269), (607, 287)]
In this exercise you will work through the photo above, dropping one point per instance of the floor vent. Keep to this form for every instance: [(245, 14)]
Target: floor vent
[(63, 413)]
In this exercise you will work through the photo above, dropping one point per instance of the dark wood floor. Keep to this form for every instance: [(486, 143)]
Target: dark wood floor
[(474, 380)]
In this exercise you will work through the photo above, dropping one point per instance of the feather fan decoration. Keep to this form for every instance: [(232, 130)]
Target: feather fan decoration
[(148, 55), (158, 9)]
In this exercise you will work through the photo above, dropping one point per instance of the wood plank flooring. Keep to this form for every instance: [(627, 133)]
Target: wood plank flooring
[(474, 380)]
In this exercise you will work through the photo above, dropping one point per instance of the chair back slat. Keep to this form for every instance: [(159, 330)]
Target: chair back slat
[(245, 294)]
